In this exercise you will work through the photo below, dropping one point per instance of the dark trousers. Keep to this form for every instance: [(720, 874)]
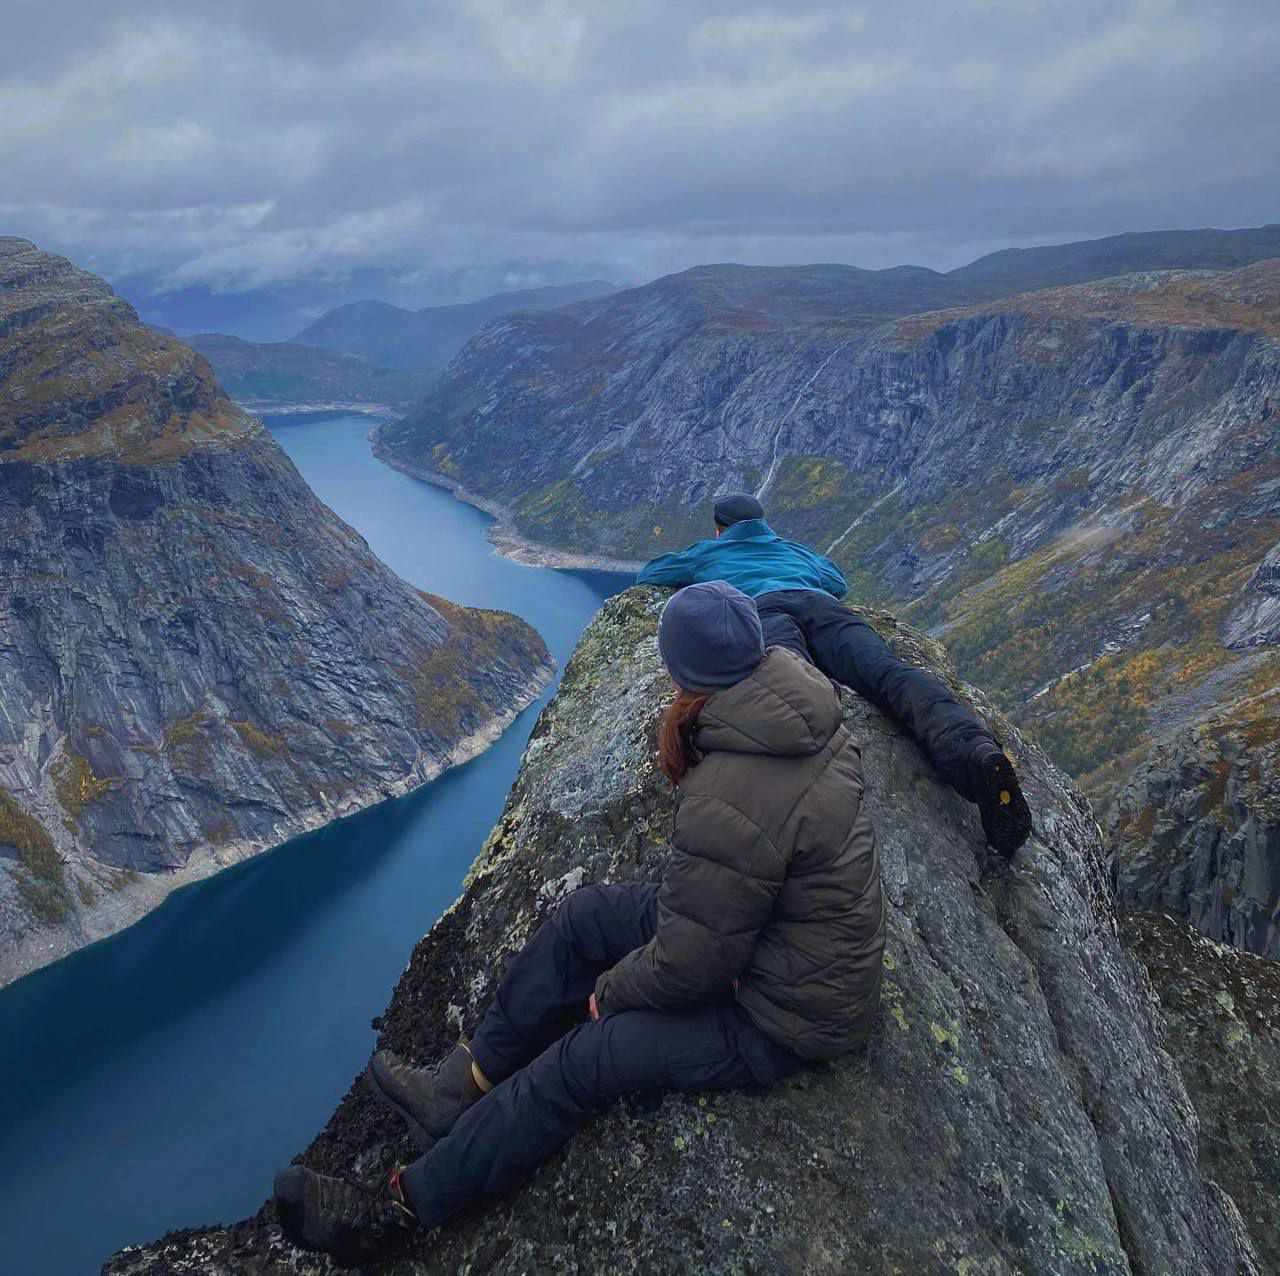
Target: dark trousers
[(537, 1105), (827, 634)]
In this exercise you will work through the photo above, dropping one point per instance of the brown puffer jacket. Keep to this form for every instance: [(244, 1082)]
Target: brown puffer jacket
[(775, 880)]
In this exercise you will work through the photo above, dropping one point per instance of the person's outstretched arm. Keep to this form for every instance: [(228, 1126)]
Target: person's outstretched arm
[(715, 899), (679, 567)]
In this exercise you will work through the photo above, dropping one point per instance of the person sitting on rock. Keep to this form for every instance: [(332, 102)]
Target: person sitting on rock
[(797, 592), (760, 950)]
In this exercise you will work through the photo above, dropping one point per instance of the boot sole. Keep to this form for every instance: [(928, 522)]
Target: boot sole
[(1010, 821), (420, 1136)]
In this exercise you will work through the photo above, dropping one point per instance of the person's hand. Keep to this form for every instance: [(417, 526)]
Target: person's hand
[(592, 1009)]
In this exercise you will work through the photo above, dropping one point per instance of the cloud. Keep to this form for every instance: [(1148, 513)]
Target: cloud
[(258, 142)]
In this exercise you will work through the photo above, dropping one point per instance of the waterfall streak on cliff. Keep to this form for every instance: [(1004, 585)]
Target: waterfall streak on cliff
[(777, 438), (866, 514)]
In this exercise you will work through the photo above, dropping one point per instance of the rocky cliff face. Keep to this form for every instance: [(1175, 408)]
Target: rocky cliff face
[(282, 371), (1197, 826), (197, 658), (1221, 1019), (1256, 620), (1013, 1112), (1077, 489)]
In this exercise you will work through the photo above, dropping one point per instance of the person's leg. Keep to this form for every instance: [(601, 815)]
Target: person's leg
[(850, 651), (555, 973), (781, 626), (965, 753), (543, 992), (522, 1121)]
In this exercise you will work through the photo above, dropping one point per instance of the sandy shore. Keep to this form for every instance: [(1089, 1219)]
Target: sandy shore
[(503, 535), (271, 407)]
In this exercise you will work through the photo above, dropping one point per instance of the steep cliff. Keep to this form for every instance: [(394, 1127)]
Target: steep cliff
[(1221, 1019), (1013, 1112), (197, 658), (281, 370), (1197, 825), (1076, 488)]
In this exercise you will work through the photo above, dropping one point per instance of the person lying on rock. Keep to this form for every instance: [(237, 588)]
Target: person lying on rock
[(797, 592), (760, 950)]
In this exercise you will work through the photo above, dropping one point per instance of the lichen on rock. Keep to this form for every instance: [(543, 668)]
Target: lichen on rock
[(1221, 1014)]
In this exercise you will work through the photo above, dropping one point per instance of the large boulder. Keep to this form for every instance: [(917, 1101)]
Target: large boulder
[(1014, 1111)]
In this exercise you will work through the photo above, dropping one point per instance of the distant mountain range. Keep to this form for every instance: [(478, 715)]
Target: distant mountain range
[(1076, 487), (425, 340), (287, 372), (368, 351)]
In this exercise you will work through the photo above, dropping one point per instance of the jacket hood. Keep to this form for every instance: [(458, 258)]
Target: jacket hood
[(785, 708)]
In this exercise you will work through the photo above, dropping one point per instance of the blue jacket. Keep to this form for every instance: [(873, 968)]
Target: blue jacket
[(752, 557)]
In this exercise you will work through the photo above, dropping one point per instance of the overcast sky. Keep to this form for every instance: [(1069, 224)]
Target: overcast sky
[(483, 144)]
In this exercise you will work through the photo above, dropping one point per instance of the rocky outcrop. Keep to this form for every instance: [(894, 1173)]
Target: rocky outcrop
[(198, 659), (1013, 1112), (1221, 1013), (424, 341), (1256, 621), (1197, 826), (280, 371)]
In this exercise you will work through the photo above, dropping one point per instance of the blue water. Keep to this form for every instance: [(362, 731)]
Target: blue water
[(159, 1078)]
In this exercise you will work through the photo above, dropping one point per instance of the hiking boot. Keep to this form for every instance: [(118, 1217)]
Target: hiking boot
[(1006, 817), (430, 1099), (350, 1222)]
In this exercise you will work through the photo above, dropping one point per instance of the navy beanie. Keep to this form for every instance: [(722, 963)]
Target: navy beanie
[(710, 636), (737, 508)]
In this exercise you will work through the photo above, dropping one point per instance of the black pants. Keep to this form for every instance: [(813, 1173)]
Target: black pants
[(827, 634), (536, 1106)]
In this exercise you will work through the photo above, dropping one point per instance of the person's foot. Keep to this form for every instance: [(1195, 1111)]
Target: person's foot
[(430, 1099), (352, 1223), (1006, 817)]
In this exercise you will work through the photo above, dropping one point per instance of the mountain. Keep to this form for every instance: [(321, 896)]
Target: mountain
[(1026, 269), (1014, 1111), (285, 372), (199, 659), (1076, 486), (425, 340)]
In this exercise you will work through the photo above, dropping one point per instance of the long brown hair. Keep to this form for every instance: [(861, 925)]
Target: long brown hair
[(676, 753)]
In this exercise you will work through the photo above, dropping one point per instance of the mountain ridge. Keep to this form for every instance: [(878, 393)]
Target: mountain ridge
[(199, 659), (1078, 488), (424, 340), (286, 372)]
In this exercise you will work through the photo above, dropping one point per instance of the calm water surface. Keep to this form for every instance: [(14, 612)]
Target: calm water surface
[(159, 1078)]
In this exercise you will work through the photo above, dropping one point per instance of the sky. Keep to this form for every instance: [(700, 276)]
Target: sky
[(438, 152)]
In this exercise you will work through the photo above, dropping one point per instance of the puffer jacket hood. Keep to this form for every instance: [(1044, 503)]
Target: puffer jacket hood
[(785, 708)]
